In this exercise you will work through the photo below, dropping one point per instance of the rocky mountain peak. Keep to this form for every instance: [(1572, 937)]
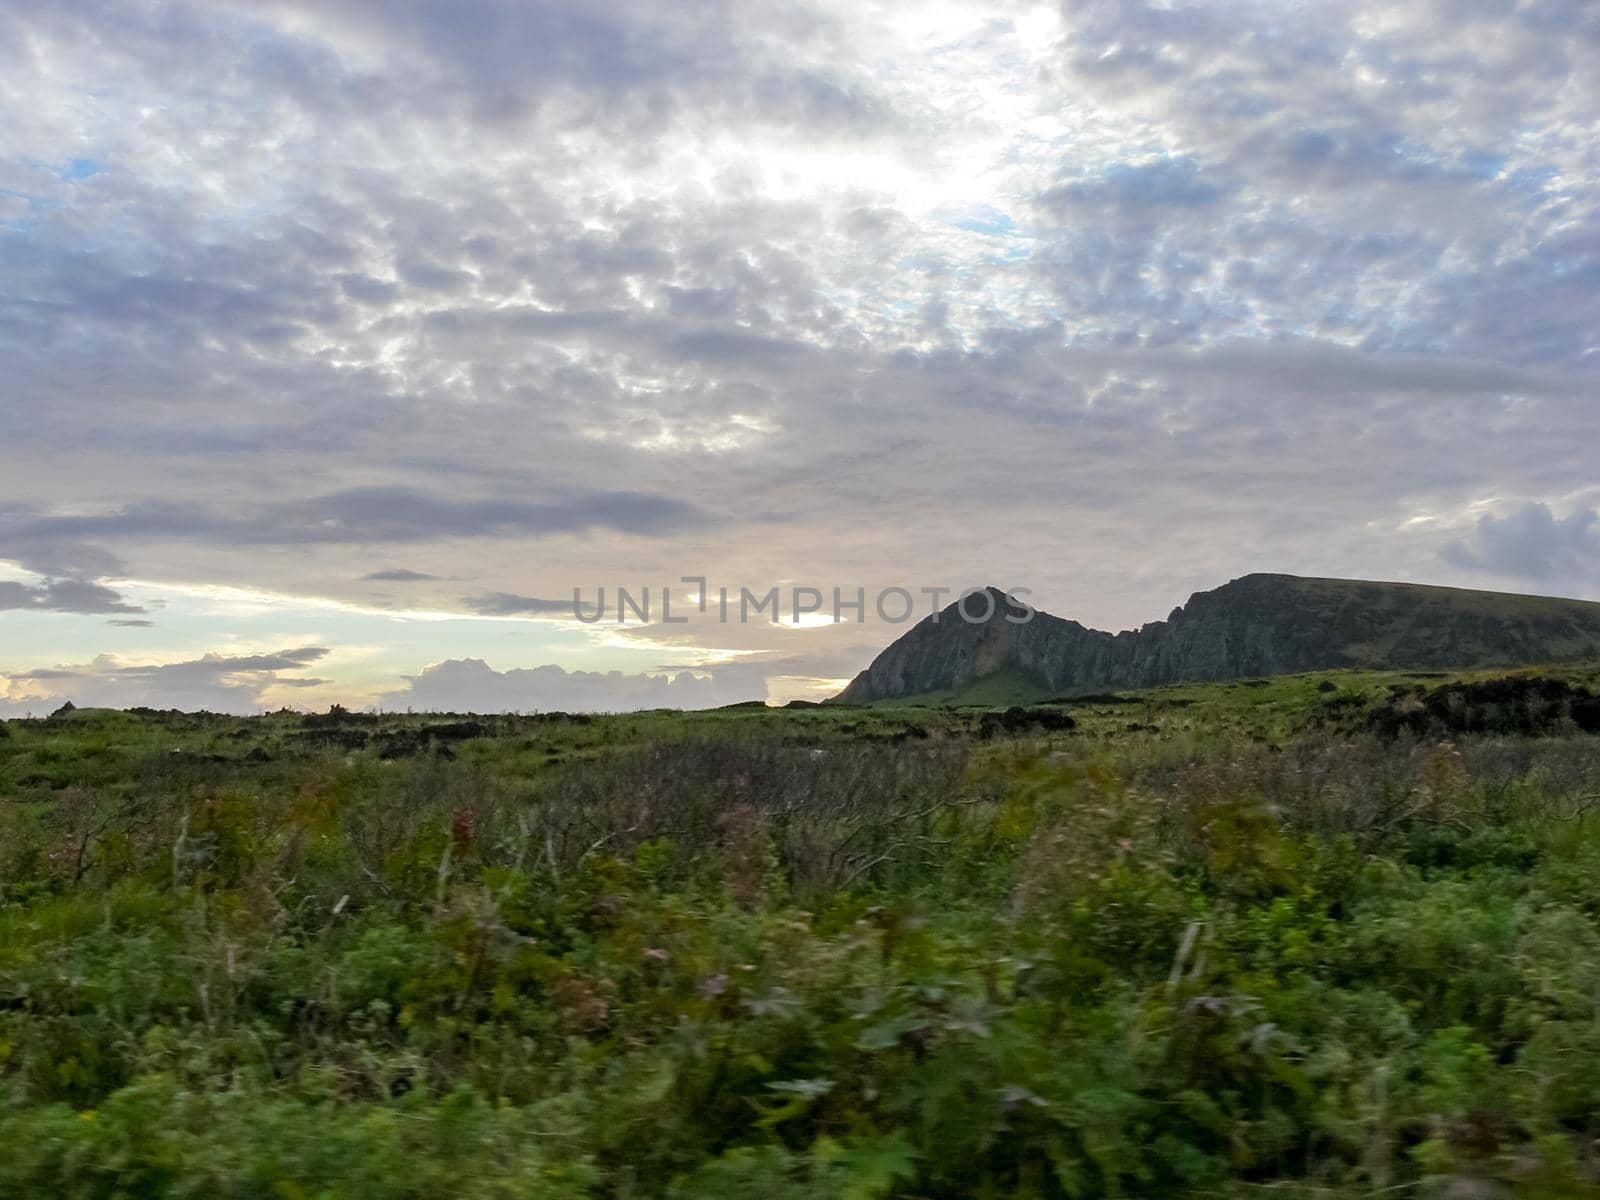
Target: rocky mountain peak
[(1258, 624)]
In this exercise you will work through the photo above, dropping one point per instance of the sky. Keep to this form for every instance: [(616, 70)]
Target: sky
[(341, 341)]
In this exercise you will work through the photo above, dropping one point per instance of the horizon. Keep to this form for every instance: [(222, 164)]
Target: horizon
[(480, 677), (344, 341)]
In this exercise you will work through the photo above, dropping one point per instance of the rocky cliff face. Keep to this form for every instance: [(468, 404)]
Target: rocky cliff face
[(1256, 625)]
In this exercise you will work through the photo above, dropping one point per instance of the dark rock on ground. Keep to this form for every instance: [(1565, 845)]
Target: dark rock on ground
[(1019, 720), (458, 731), (1514, 705)]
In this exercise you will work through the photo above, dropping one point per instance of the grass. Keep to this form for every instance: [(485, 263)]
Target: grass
[(1219, 940)]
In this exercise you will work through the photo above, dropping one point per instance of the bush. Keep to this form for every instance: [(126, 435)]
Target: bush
[(761, 954)]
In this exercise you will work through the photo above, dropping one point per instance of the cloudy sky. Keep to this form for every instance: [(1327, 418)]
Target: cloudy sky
[(339, 338)]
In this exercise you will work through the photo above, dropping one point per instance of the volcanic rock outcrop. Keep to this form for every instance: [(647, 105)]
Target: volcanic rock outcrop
[(1255, 625)]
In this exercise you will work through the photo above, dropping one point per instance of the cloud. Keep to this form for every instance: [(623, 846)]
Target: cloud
[(213, 682), (63, 595), (508, 604), (610, 60), (1128, 188), (471, 685), (397, 575), (1307, 365), (283, 660), (379, 515), (1121, 298), (53, 557), (1532, 543)]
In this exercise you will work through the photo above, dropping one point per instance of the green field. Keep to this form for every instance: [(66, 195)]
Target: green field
[(1314, 936)]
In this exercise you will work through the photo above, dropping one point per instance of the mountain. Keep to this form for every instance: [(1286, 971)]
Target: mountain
[(1255, 625)]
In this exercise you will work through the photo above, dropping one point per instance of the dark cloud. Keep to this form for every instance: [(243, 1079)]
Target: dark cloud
[(367, 289), (1124, 189), (508, 604), (218, 664), (63, 595), (380, 515), (46, 556), (431, 276), (1532, 543), (398, 575)]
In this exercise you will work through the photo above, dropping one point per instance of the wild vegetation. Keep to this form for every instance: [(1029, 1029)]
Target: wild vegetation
[(1331, 935)]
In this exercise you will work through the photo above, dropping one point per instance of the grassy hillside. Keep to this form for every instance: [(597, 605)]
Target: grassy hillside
[(1326, 935), (1293, 696), (1508, 605), (995, 690), (1567, 626)]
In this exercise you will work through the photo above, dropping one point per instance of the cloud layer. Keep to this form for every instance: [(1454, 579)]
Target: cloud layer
[(214, 682), (471, 685), (458, 306)]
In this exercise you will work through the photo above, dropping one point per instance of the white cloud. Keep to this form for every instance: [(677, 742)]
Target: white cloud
[(471, 685)]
